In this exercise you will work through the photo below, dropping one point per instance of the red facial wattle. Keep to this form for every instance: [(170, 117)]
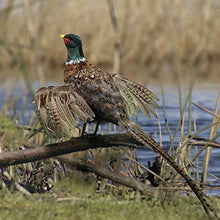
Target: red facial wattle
[(66, 40)]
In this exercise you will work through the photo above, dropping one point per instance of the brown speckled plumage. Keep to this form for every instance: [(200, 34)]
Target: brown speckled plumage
[(59, 108), (111, 97), (72, 69)]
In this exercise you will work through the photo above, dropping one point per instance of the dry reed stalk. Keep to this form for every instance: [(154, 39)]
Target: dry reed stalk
[(213, 133), (34, 39), (117, 44)]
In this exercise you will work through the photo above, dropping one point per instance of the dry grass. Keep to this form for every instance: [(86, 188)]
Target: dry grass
[(158, 38)]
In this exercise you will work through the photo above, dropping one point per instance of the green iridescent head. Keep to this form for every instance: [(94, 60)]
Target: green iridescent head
[(74, 48)]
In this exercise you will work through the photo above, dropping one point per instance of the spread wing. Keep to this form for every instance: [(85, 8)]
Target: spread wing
[(137, 95), (59, 108)]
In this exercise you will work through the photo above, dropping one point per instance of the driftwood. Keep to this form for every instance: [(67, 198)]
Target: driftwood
[(74, 145)]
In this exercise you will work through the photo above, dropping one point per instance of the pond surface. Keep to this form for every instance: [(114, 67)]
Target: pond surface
[(205, 95)]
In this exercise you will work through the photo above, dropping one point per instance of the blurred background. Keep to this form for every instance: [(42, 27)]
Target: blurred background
[(155, 40), (171, 46)]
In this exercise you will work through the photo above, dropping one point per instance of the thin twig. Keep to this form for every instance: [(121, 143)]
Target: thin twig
[(203, 143), (148, 170), (206, 110)]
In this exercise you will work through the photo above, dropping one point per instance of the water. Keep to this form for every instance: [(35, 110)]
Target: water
[(205, 96)]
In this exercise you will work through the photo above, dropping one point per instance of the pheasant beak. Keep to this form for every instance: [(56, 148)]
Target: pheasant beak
[(62, 35)]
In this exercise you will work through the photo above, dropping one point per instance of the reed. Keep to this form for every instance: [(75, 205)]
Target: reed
[(158, 40)]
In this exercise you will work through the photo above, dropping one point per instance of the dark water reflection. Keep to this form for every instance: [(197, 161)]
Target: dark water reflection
[(205, 96)]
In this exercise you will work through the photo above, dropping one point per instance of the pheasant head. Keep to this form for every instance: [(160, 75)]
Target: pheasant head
[(74, 48)]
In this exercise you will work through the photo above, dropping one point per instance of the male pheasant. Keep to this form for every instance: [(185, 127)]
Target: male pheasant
[(111, 98)]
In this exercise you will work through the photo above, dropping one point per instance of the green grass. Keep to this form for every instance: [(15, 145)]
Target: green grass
[(10, 135), (77, 200)]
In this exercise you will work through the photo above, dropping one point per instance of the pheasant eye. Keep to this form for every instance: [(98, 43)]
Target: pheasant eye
[(67, 41)]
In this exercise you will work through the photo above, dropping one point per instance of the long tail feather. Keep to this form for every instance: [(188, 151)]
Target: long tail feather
[(136, 132), (137, 95)]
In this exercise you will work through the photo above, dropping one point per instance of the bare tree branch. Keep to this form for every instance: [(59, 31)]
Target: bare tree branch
[(75, 144), (81, 144), (124, 180)]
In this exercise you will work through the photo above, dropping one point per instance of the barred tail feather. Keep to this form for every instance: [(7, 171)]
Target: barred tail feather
[(137, 95), (136, 132)]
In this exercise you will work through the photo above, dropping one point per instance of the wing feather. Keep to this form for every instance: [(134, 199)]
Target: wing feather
[(59, 108)]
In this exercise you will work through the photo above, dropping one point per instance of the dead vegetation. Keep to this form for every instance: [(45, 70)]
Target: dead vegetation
[(158, 39)]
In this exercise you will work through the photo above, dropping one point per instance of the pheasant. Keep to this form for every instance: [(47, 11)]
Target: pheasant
[(109, 98)]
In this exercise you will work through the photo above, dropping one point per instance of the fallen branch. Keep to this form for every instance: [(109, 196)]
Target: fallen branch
[(74, 145), (124, 180), (35, 152)]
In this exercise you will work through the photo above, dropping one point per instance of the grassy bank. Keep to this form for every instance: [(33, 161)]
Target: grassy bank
[(77, 200), (158, 39)]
